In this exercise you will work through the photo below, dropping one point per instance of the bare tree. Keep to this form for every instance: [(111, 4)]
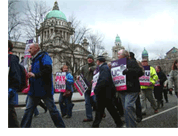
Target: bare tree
[(35, 12), (135, 50), (14, 21), (95, 43)]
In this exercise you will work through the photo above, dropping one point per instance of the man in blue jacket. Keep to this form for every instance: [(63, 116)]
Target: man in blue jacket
[(104, 94), (41, 87)]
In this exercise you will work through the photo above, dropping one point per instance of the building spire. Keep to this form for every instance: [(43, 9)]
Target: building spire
[(55, 7)]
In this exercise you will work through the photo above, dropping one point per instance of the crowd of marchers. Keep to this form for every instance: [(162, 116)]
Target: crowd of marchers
[(129, 103)]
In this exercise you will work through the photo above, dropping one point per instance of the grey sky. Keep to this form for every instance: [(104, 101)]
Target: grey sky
[(152, 24)]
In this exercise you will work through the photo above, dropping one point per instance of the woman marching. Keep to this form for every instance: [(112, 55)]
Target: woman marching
[(65, 102), (173, 78), (158, 89)]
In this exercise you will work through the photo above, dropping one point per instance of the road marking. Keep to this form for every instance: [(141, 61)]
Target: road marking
[(159, 113)]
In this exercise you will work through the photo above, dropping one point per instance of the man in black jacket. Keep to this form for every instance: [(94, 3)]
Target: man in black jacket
[(104, 94), (14, 80), (129, 96)]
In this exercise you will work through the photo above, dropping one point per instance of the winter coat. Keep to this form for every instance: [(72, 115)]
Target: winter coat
[(14, 77), (69, 81), (133, 72), (162, 77), (88, 74), (42, 84), (173, 80), (104, 86)]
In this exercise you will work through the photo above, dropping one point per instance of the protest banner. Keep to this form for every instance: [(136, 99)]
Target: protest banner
[(60, 85), (145, 79), (117, 67), (95, 79), (81, 85)]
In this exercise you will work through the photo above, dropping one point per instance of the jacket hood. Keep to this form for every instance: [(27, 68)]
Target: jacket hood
[(14, 58)]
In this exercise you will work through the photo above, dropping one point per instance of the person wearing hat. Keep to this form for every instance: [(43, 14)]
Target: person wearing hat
[(87, 72), (147, 91), (104, 94)]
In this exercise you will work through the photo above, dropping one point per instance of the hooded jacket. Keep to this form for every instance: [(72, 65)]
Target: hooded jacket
[(173, 80), (42, 84)]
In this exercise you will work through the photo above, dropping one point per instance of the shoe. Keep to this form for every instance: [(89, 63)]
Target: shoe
[(87, 120), (122, 125), (138, 120), (156, 111), (45, 110)]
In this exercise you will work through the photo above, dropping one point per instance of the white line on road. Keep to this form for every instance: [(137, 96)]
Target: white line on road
[(159, 113), (78, 110)]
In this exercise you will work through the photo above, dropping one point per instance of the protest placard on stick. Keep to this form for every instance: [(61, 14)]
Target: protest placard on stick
[(117, 67), (145, 79), (81, 85), (60, 85)]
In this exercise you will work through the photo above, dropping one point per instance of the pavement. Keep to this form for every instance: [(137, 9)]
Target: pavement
[(76, 97)]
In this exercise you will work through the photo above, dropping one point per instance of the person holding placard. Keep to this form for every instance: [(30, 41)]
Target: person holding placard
[(129, 94), (104, 94), (87, 72), (147, 86), (65, 102)]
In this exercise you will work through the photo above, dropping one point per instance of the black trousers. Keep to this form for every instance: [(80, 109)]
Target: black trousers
[(138, 108), (158, 93), (101, 104)]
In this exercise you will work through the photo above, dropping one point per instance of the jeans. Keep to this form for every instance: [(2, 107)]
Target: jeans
[(36, 112), (88, 106), (32, 103), (128, 100), (65, 104)]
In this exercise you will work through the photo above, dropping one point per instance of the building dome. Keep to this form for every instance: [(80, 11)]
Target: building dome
[(145, 53), (117, 39), (56, 13)]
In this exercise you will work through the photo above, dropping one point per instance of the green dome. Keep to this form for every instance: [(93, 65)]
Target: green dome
[(56, 14), (118, 39), (144, 53)]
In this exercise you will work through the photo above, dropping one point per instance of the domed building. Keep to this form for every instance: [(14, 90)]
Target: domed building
[(145, 54), (116, 48)]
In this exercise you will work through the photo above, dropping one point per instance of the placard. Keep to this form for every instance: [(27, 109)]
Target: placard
[(157, 83), (80, 85), (117, 67), (60, 85), (95, 79), (145, 79)]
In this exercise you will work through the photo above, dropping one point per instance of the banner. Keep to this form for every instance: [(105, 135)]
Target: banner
[(145, 79), (117, 67), (60, 85), (95, 79), (80, 85)]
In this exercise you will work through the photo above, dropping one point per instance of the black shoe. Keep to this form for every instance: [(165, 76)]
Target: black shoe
[(87, 120), (138, 119), (45, 110), (120, 125)]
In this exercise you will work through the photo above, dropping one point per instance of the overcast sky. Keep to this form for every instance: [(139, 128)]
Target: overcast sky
[(152, 24)]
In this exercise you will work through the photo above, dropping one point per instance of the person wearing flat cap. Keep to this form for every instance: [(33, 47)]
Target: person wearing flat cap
[(87, 72), (104, 94)]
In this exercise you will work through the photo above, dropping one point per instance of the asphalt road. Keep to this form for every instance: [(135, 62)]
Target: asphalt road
[(166, 118)]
